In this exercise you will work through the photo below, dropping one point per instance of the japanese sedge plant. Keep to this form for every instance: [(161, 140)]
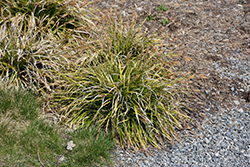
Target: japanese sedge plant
[(28, 56), (117, 37), (125, 87), (114, 36), (57, 14)]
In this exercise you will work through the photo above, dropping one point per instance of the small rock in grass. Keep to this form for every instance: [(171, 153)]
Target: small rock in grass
[(61, 159), (70, 145)]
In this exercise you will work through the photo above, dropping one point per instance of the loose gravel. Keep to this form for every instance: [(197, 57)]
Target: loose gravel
[(224, 138)]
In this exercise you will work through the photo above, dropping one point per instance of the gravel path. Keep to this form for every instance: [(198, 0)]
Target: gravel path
[(224, 138)]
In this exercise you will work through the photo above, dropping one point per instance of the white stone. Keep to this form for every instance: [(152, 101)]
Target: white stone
[(236, 102), (124, 13), (70, 145), (61, 159), (241, 110), (139, 9)]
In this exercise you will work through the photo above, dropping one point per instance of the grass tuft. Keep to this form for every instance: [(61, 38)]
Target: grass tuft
[(54, 13), (28, 56), (127, 88)]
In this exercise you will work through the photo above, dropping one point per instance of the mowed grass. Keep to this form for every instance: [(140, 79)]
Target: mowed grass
[(28, 139)]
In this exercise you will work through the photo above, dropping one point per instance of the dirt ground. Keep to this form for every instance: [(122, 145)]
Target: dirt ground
[(203, 32)]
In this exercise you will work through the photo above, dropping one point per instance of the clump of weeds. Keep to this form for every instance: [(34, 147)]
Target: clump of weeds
[(159, 10)]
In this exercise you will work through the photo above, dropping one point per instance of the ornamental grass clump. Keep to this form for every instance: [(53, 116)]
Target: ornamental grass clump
[(122, 39), (28, 56), (56, 14), (127, 88), (115, 36)]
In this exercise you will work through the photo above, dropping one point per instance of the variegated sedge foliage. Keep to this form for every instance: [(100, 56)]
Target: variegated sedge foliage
[(57, 14), (117, 37), (28, 56), (126, 87)]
